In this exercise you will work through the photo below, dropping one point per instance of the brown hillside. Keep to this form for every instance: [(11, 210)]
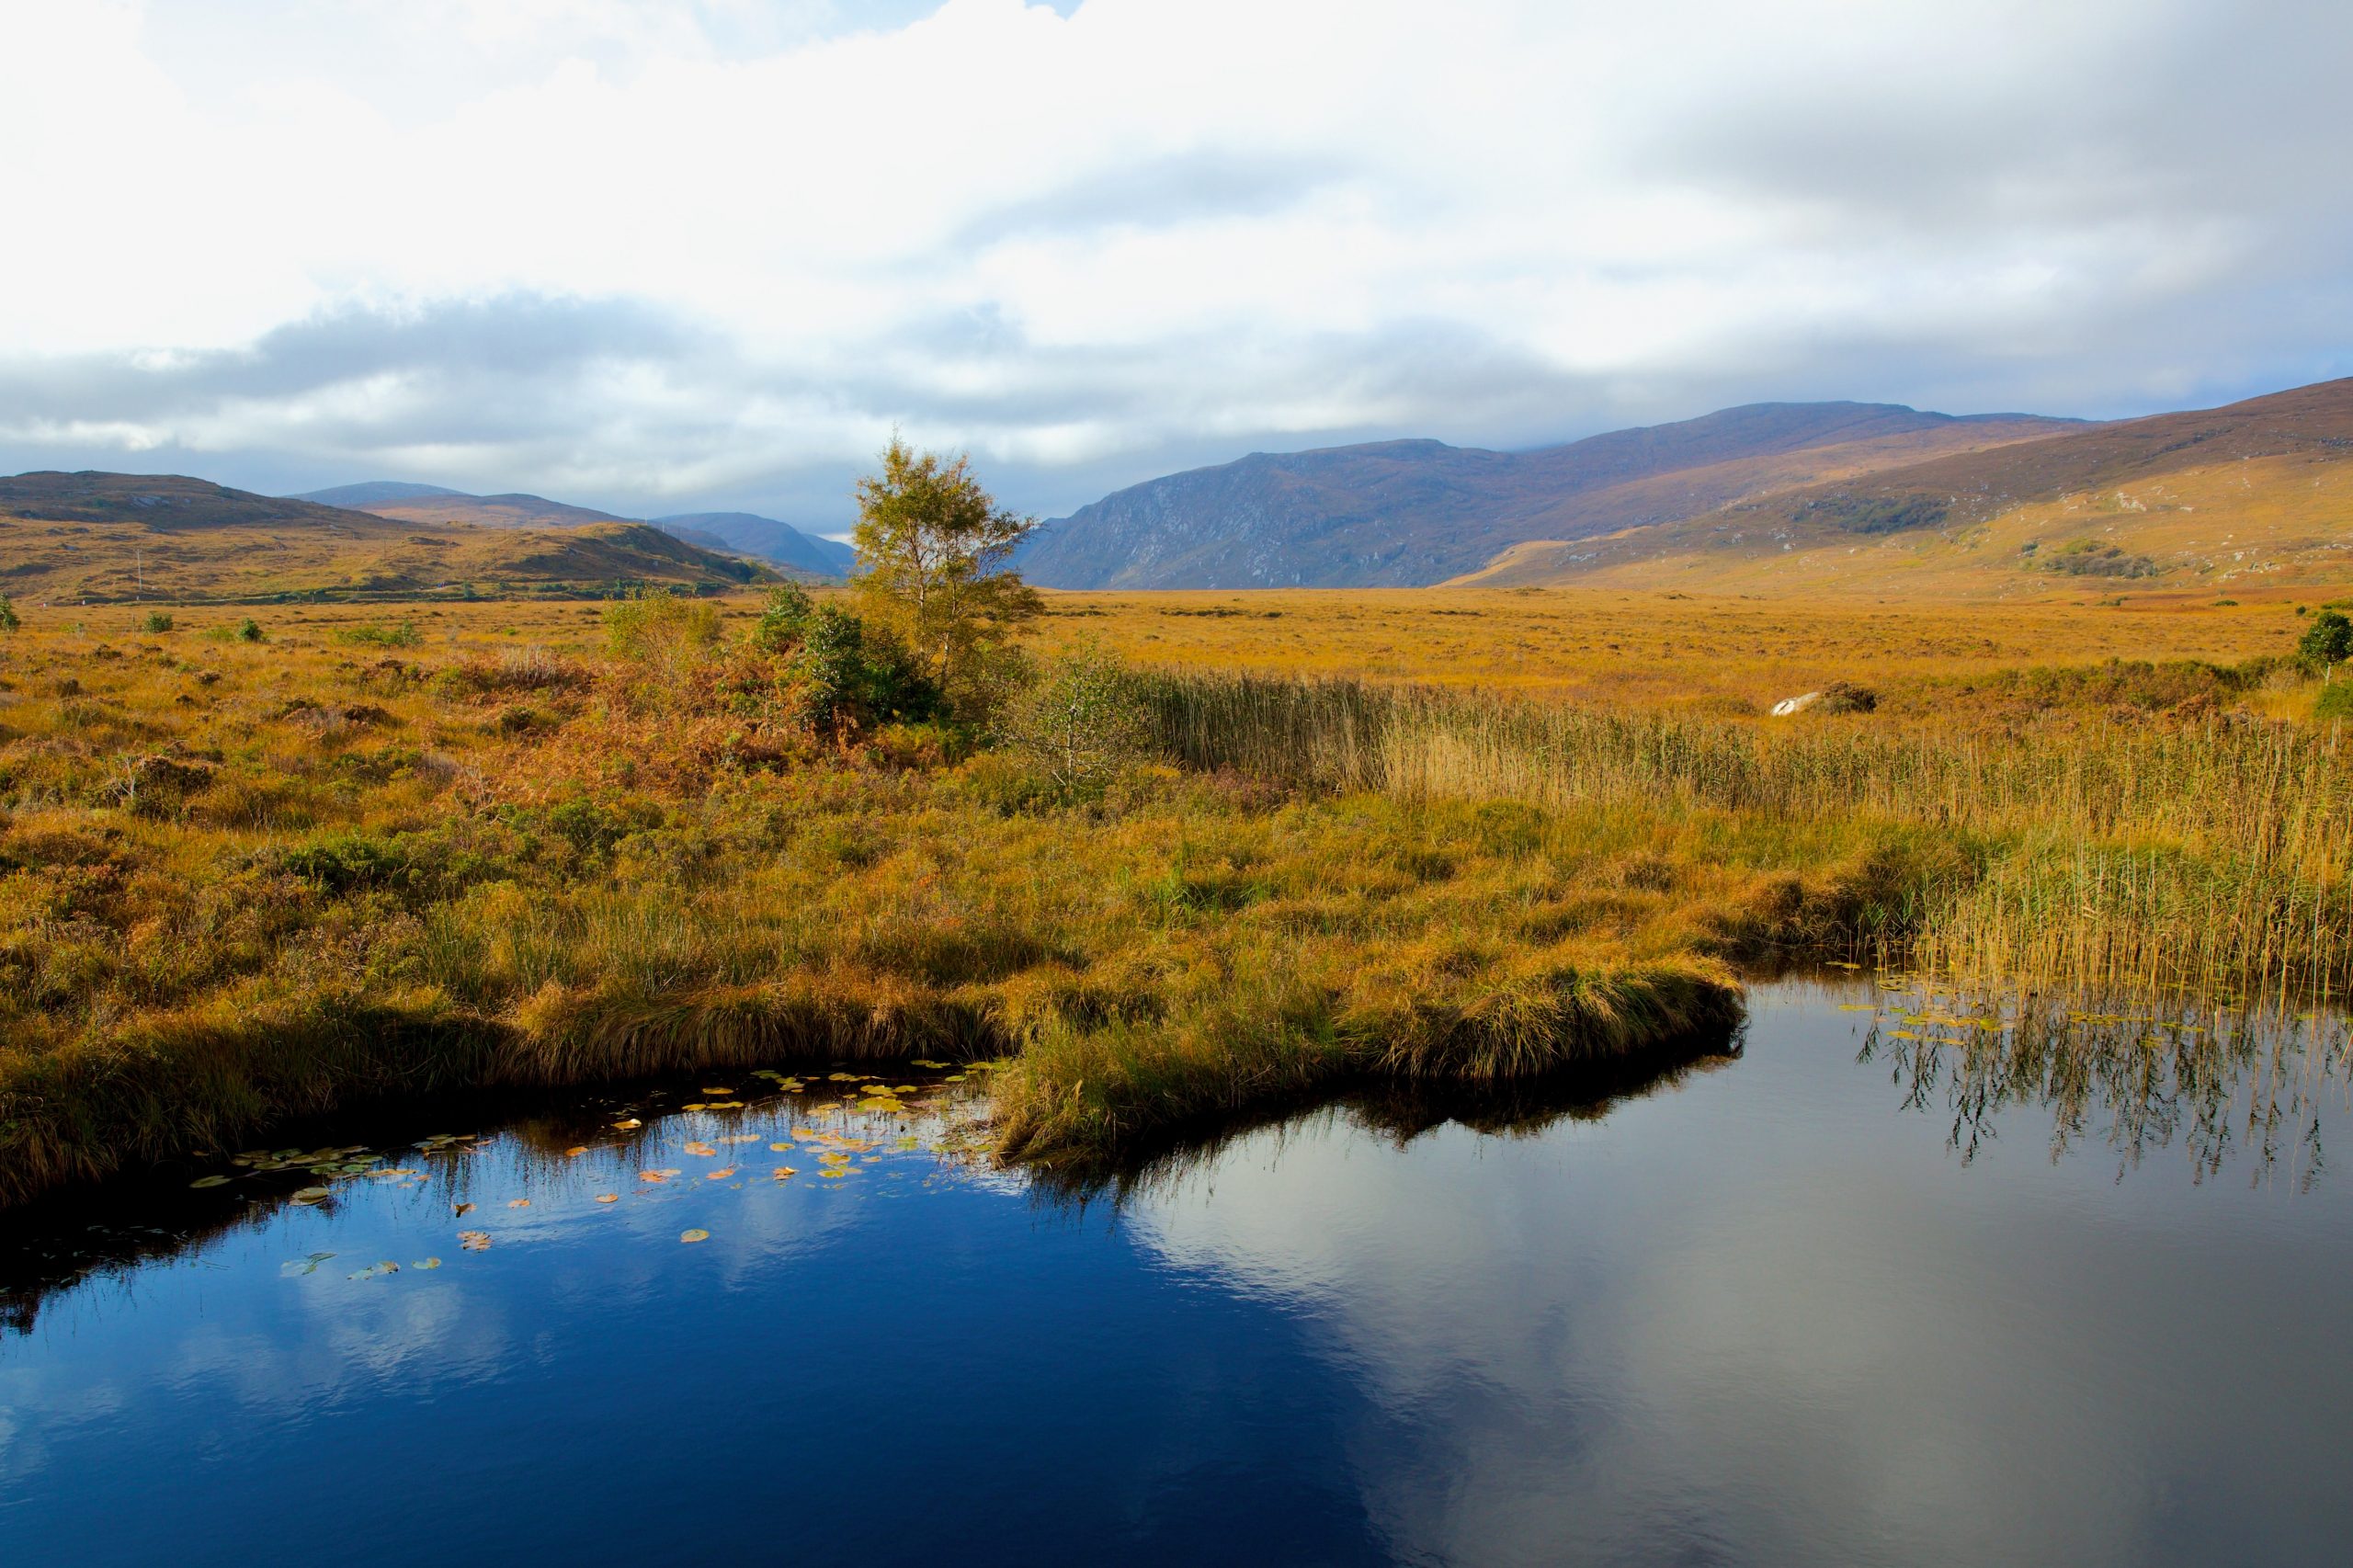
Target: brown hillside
[(100, 538), (2254, 495)]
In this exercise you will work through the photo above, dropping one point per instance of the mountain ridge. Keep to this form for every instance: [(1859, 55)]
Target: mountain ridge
[(100, 537), (1413, 512), (738, 533)]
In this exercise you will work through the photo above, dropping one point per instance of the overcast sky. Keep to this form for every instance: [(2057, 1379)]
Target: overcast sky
[(670, 257)]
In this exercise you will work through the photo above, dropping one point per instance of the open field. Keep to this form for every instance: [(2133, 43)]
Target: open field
[(1725, 655), (367, 853)]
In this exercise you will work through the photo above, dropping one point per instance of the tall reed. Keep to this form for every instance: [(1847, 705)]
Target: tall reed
[(2213, 854)]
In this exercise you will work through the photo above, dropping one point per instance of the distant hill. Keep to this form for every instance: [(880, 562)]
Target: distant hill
[(765, 538), (430, 504), (731, 533), (1409, 513), (2257, 494), (99, 538), (376, 492)]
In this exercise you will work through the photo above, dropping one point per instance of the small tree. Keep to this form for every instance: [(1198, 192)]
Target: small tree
[(2328, 641), (8, 619), (932, 547), (1080, 722)]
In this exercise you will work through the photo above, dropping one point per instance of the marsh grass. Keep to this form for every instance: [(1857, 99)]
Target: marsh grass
[(2210, 854)]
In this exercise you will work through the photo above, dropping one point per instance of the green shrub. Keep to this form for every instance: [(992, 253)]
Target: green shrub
[(8, 619), (2335, 704), (2327, 640), (404, 635), (156, 621), (1081, 723), (816, 667)]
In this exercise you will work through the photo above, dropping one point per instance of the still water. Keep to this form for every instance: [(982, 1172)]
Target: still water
[(1880, 1288)]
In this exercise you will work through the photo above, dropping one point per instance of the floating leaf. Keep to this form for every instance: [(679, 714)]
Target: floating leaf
[(475, 1240), (628, 1122), (719, 1175), (309, 1195), (698, 1105), (654, 1175), (608, 1197), (518, 1203), (705, 1149), (783, 1171), (461, 1207), (922, 1061), (720, 1093), (694, 1235), (576, 1151), (783, 1148), (301, 1266), (210, 1181), (427, 1262)]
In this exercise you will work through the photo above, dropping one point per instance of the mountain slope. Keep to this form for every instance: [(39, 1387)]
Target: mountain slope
[(2256, 492), (96, 538), (765, 538), (1405, 513), (428, 504)]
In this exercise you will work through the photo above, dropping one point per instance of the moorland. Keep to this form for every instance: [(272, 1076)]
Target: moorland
[(1243, 850)]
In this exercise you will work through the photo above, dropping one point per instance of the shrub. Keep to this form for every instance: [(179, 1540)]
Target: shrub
[(667, 633), (404, 635), (817, 667), (8, 619), (1082, 722), (156, 620), (2335, 704), (2327, 640)]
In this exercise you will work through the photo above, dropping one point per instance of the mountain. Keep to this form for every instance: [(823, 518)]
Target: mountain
[(765, 538), (97, 538), (2257, 494), (430, 504), (1409, 513), (376, 493), (727, 533)]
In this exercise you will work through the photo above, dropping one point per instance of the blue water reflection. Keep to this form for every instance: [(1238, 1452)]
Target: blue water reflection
[(1837, 1301)]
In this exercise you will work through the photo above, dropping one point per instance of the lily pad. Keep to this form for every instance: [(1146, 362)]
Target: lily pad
[(694, 1235), (309, 1195), (210, 1181)]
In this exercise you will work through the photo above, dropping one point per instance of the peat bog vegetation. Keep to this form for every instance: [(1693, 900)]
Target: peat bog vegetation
[(257, 869)]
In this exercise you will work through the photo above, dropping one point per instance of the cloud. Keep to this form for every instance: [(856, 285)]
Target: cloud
[(671, 254)]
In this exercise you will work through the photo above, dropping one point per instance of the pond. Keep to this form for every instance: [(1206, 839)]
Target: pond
[(1880, 1285)]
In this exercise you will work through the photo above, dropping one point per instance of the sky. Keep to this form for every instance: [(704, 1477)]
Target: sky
[(668, 257)]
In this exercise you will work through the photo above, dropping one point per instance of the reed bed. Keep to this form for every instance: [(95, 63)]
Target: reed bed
[(2210, 854)]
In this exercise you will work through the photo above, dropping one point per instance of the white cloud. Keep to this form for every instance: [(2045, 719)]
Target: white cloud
[(1111, 233)]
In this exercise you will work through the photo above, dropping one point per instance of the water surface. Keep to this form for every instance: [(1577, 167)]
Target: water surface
[(1879, 1288)]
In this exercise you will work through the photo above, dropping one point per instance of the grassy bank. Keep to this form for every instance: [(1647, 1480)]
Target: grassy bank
[(247, 880)]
